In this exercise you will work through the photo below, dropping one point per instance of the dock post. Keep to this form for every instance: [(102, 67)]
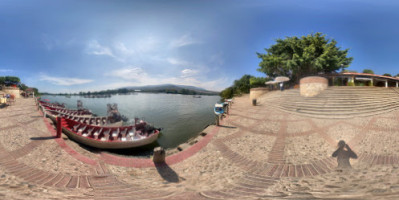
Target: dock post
[(217, 120), (59, 128), (159, 155)]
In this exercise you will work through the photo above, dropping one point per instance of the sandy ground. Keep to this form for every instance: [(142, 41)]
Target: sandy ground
[(249, 139)]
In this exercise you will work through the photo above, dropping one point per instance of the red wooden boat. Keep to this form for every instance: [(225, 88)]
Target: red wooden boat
[(91, 120), (81, 113), (122, 137), (53, 105)]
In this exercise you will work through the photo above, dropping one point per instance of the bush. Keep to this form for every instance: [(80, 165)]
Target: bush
[(227, 93), (258, 81)]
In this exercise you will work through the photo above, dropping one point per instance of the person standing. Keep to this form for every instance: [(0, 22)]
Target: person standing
[(281, 86)]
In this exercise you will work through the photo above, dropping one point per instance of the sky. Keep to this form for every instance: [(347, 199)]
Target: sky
[(92, 45)]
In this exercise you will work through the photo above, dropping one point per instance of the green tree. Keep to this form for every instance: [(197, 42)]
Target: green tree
[(13, 79), (349, 71), (242, 85), (23, 87), (397, 75), (227, 93), (2, 80), (36, 91), (298, 57), (387, 74), (258, 81), (368, 71)]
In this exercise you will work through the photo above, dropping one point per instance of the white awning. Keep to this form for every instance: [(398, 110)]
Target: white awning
[(363, 79)]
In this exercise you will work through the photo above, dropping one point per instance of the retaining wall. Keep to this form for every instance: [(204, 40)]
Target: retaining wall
[(254, 93), (312, 85)]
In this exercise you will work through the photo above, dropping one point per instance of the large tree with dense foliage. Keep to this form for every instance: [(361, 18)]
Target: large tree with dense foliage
[(296, 57), (387, 74)]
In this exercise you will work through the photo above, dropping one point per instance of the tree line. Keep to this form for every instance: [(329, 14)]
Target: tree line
[(15, 81)]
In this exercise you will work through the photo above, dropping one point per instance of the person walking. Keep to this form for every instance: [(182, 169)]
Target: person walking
[(281, 86)]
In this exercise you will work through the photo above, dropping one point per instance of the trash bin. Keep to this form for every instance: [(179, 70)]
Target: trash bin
[(254, 102)]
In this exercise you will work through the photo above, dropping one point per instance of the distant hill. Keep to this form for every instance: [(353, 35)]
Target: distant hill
[(165, 88), (170, 88)]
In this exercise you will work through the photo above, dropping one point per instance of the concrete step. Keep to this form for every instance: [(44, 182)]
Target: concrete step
[(342, 109), (338, 115)]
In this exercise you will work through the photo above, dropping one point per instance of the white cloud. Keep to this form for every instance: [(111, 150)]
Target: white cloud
[(183, 41), (185, 73), (121, 47), (130, 73), (95, 48), (175, 61), (149, 44), (65, 81), (5, 70)]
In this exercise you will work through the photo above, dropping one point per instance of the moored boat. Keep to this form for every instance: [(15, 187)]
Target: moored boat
[(218, 109), (123, 137), (91, 120), (52, 105), (81, 113)]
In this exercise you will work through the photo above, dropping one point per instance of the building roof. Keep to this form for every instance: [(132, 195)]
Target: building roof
[(364, 74)]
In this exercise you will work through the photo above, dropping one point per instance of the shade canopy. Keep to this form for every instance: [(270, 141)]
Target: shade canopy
[(278, 79)]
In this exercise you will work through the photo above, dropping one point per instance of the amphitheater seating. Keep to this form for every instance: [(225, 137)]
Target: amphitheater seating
[(336, 102)]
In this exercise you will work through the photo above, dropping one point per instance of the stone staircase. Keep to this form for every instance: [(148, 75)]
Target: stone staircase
[(336, 102)]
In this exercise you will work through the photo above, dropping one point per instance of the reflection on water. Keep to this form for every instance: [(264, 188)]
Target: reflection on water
[(180, 116)]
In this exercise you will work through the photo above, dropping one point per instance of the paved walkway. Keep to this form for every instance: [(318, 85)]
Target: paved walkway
[(258, 152)]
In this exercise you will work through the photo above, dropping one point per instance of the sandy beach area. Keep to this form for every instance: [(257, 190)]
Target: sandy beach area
[(259, 152)]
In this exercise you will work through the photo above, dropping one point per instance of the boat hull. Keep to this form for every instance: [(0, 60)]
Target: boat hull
[(109, 144)]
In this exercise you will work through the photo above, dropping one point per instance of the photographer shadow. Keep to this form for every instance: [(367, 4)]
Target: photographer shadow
[(344, 153)]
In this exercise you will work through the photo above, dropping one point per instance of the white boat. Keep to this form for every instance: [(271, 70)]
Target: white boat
[(218, 109)]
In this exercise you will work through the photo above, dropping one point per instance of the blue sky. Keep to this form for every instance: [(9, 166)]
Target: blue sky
[(82, 45)]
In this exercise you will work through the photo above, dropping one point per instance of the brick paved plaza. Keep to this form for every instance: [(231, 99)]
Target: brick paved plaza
[(259, 152)]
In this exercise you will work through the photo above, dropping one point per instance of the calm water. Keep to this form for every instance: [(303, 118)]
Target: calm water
[(181, 116)]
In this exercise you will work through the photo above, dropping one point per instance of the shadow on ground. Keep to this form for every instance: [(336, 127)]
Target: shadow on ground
[(223, 126), (167, 173), (43, 138)]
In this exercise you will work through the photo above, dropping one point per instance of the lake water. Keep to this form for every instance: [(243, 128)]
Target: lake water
[(181, 116)]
